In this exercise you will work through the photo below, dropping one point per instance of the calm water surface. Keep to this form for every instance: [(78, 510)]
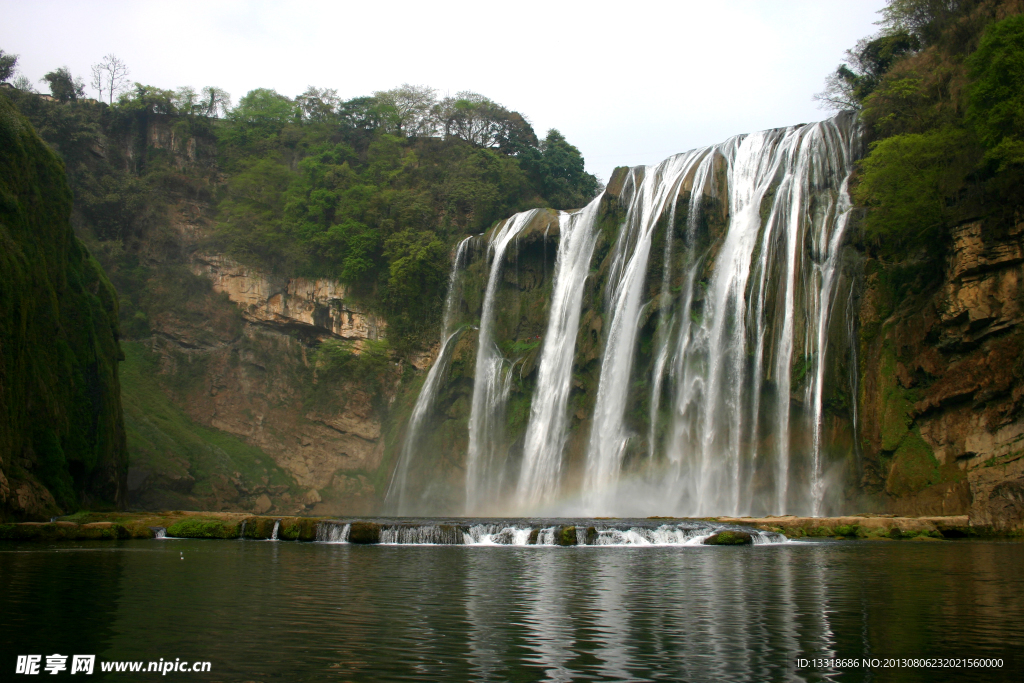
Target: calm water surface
[(281, 611)]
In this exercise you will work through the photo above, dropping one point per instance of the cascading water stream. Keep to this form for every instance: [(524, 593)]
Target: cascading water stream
[(787, 190), (492, 378), (547, 429), (658, 188), (395, 499)]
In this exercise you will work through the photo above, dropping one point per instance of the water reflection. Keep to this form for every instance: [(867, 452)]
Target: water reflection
[(308, 612)]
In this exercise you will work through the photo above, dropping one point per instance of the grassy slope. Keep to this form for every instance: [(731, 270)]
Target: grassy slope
[(165, 442)]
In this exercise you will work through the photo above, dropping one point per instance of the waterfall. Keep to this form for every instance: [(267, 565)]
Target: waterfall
[(332, 532), (277, 527), (395, 499), (485, 461), (722, 307), (652, 190), (769, 296), (547, 428)]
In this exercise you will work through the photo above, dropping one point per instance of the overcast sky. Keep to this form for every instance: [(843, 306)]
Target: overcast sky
[(627, 82)]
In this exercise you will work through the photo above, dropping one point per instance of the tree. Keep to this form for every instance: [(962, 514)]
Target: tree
[(912, 185), (318, 104), (925, 20), (413, 107), (110, 76), (186, 100), (22, 82), (213, 102), (996, 106), (8, 63), (563, 178), (472, 117), (862, 69), (148, 99), (63, 86), (264, 108)]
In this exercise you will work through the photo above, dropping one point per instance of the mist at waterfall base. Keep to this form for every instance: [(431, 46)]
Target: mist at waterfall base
[(733, 260)]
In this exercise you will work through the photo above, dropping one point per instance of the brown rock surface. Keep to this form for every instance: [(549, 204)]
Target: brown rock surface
[(945, 364)]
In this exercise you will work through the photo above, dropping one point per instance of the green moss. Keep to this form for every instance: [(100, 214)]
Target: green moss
[(897, 403), (60, 402), (298, 529), (198, 528), (914, 467), (565, 535), (728, 537), (847, 530)]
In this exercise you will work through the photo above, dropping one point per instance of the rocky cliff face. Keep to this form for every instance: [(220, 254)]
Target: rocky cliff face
[(235, 350), (943, 383), (317, 306)]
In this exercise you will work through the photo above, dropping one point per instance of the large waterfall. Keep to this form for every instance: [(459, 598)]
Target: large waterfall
[(697, 341)]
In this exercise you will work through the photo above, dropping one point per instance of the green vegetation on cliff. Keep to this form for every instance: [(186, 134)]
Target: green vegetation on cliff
[(60, 401), (940, 93)]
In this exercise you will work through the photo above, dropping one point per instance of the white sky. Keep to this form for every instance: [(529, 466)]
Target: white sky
[(627, 82)]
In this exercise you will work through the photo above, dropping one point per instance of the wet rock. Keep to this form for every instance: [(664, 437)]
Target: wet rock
[(258, 528), (204, 528), (729, 537), (364, 533), (565, 535), (298, 529)]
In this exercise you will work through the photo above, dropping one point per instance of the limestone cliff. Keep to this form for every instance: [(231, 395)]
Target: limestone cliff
[(943, 382), (230, 404), (319, 305)]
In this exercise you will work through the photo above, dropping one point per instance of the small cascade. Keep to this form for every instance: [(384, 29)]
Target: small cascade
[(547, 429), (330, 532), (485, 461), (395, 498), (241, 530), (159, 532), (429, 534), (277, 527), (553, 533), (497, 534)]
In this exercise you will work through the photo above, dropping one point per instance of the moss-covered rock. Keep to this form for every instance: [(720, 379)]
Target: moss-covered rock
[(61, 422), (204, 528), (565, 535), (65, 531), (729, 537), (364, 533), (298, 529), (914, 466), (258, 527)]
